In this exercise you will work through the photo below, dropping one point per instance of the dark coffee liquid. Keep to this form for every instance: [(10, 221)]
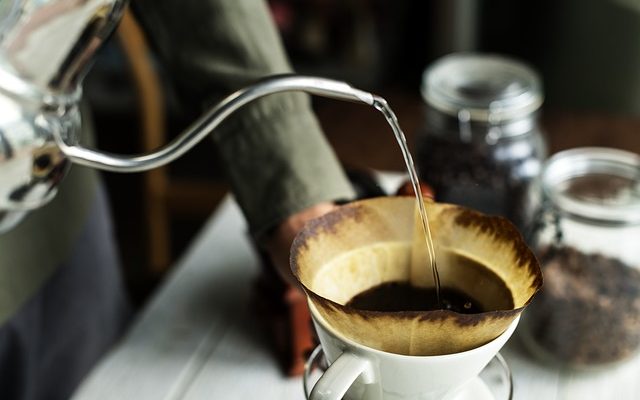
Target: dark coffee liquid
[(480, 290), (402, 296)]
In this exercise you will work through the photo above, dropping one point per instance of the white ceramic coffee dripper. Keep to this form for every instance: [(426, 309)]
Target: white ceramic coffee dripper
[(367, 373), (408, 355)]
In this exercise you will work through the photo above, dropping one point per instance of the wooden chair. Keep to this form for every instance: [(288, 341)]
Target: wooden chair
[(164, 196)]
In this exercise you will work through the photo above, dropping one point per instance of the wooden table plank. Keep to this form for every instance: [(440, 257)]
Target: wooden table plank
[(189, 315), (242, 367)]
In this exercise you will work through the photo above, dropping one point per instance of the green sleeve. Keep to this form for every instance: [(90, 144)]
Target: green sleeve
[(275, 154)]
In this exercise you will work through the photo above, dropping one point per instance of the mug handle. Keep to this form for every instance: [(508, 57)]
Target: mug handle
[(340, 375)]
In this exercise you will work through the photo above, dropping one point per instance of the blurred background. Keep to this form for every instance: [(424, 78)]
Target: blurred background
[(586, 51)]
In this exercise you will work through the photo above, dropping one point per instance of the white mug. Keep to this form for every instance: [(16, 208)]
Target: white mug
[(357, 372)]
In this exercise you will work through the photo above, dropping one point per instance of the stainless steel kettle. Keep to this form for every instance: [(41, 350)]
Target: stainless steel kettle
[(46, 48)]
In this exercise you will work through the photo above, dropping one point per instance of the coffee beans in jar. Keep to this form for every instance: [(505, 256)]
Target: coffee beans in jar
[(588, 313), (480, 145)]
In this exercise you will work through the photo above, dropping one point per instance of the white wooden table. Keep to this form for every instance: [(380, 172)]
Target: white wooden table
[(197, 339)]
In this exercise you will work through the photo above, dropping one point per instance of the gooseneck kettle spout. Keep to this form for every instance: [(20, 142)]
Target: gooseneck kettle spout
[(209, 121), (29, 178)]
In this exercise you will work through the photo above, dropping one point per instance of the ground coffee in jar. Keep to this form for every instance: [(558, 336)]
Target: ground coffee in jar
[(480, 145), (588, 313)]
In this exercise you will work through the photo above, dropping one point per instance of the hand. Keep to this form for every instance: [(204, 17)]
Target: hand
[(278, 245), (406, 189)]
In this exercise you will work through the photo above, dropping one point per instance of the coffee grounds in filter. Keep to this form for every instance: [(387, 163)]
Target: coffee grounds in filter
[(402, 296)]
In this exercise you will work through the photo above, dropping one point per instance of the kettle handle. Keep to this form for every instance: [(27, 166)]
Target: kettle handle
[(199, 129)]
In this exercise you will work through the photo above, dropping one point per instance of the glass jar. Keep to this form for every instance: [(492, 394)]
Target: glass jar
[(588, 244), (480, 145)]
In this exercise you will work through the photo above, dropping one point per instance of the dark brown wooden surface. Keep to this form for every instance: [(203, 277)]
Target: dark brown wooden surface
[(362, 138)]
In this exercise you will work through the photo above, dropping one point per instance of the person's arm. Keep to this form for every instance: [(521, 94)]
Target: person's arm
[(281, 168)]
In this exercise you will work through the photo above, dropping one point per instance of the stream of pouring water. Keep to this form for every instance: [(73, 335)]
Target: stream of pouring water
[(381, 105)]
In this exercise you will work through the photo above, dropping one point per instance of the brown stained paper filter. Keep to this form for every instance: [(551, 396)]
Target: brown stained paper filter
[(368, 243)]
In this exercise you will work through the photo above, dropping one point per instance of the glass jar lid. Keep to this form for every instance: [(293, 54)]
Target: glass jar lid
[(597, 184), (488, 86)]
